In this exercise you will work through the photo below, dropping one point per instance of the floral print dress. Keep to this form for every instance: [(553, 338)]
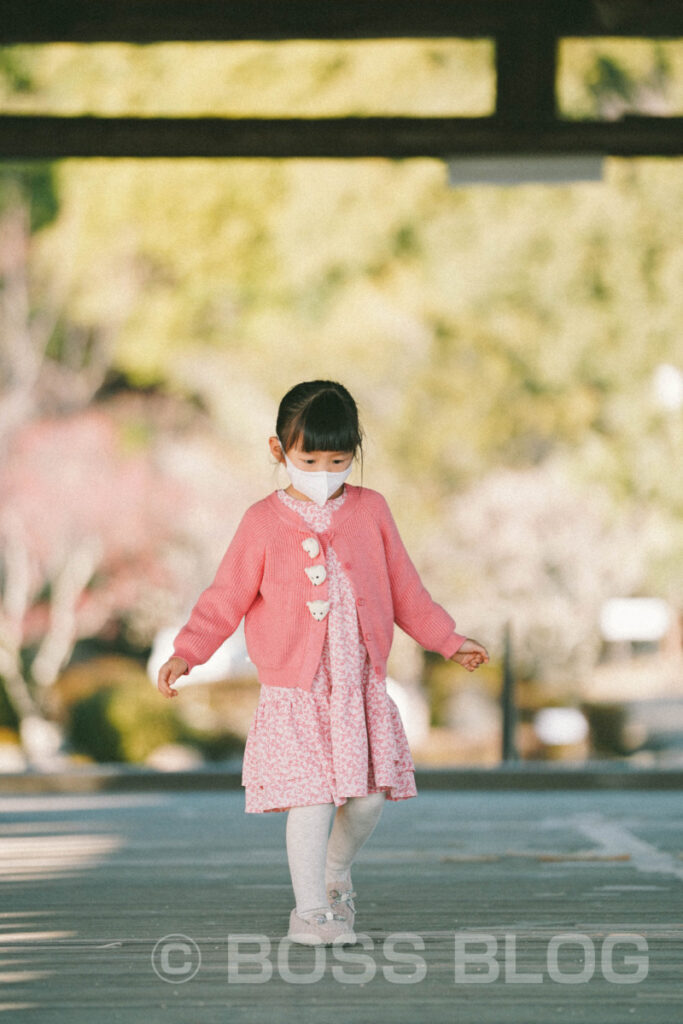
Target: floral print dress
[(343, 737)]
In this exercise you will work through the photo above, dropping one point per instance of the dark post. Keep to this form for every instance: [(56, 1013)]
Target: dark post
[(509, 709), (526, 68)]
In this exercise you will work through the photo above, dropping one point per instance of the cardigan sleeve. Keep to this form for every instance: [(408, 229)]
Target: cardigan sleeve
[(414, 610), (221, 607)]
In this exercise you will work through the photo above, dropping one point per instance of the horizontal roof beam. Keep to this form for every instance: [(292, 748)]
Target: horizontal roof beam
[(149, 21), (54, 138)]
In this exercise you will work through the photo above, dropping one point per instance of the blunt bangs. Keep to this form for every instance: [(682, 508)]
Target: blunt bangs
[(320, 416)]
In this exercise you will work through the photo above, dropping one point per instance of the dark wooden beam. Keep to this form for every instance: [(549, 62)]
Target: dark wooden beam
[(526, 34), (146, 21), (526, 71), (149, 21), (53, 138)]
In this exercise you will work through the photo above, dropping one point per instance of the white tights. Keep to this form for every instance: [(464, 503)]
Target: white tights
[(316, 861)]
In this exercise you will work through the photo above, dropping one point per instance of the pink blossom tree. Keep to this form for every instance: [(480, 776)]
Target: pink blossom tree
[(84, 528), (82, 521)]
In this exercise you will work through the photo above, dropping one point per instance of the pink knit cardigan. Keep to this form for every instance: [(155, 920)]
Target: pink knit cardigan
[(262, 579)]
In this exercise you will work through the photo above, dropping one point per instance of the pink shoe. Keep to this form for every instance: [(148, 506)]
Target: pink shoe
[(320, 929)]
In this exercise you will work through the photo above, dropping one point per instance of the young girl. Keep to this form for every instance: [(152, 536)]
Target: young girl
[(320, 575)]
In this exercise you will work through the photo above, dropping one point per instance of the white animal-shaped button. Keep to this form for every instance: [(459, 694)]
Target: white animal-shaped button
[(311, 547), (316, 574), (318, 609)]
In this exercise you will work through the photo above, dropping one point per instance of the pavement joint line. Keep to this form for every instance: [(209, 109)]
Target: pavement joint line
[(540, 932), (644, 856), (582, 856)]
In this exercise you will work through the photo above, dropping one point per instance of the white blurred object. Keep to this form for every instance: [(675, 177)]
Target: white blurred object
[(635, 618), (172, 757), (41, 739), (560, 726), (413, 709), (229, 660), (667, 385)]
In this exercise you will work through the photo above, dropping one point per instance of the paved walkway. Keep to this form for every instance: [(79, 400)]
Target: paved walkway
[(519, 906)]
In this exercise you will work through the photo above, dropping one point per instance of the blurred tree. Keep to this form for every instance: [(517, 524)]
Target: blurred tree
[(30, 185), (49, 367), (82, 534), (534, 548), (481, 329), (47, 363)]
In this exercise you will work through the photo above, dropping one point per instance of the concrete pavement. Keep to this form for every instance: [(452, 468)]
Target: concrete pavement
[(512, 906)]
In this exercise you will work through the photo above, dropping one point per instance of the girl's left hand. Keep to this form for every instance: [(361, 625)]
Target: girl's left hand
[(471, 655)]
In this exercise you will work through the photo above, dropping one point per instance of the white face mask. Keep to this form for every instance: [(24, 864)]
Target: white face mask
[(317, 485)]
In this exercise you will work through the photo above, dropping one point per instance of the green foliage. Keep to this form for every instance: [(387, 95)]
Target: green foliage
[(480, 328), (293, 78), (126, 720), (8, 716), (609, 77), (32, 185), (14, 78), (609, 729)]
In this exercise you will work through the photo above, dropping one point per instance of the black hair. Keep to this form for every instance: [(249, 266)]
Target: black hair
[(322, 415)]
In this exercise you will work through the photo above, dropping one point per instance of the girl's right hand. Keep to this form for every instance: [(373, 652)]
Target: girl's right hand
[(171, 670)]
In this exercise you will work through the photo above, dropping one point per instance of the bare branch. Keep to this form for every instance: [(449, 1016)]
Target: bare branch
[(67, 588)]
